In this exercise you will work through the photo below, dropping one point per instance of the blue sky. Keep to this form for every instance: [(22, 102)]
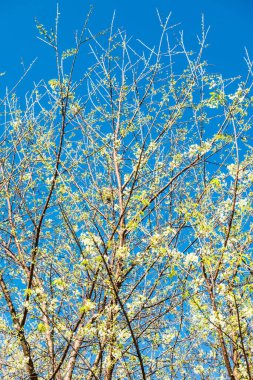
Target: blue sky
[(231, 30)]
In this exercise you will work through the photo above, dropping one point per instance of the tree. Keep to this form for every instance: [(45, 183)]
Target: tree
[(126, 216)]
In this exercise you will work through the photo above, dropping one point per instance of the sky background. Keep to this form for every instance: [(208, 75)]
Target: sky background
[(231, 29)]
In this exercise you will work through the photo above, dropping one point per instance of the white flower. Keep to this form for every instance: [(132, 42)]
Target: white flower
[(193, 150), (89, 241), (247, 312), (16, 123), (242, 203), (191, 258), (198, 369)]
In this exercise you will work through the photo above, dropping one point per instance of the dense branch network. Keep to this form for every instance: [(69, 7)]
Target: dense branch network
[(126, 216)]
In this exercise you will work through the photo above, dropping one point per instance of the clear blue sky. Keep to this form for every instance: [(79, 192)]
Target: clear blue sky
[(231, 28)]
